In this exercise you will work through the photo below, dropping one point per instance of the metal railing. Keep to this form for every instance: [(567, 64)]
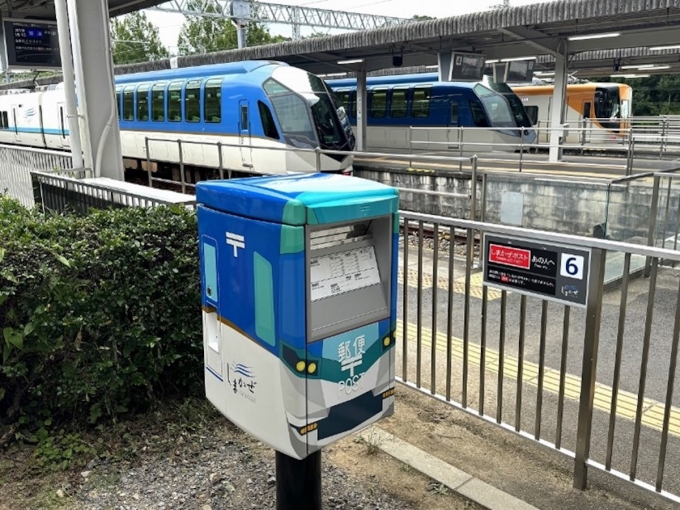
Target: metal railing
[(551, 373), (16, 164), (59, 193)]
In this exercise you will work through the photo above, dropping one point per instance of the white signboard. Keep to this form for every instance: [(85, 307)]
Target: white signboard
[(343, 272)]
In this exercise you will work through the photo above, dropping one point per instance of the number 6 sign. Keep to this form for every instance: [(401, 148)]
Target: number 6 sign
[(572, 266)]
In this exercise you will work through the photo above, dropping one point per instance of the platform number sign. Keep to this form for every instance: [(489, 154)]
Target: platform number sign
[(572, 266), (544, 270)]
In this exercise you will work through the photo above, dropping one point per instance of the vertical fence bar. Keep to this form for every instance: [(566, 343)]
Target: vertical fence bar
[(501, 358), (617, 360), (419, 317), (148, 161), (541, 370), (435, 278), (404, 286), (466, 318), (461, 141), (220, 157), (665, 218), (669, 396), (520, 362), (563, 377), (643, 367), (482, 215), (589, 368), (651, 235), (181, 166), (482, 354), (449, 312), (521, 149)]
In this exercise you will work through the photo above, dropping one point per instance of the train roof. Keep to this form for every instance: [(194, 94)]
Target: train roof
[(402, 79), (233, 68)]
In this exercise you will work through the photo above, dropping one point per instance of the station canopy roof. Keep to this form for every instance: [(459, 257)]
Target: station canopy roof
[(44, 9), (603, 37)]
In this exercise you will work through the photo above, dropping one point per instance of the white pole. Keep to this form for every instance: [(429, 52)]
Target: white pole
[(80, 77), (69, 83)]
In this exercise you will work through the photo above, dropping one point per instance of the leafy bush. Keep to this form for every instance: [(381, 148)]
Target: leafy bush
[(99, 315)]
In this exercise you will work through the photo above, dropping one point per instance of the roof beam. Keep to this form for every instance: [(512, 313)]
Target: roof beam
[(538, 40)]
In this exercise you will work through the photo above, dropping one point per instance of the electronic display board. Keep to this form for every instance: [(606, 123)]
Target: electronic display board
[(31, 44), (467, 67)]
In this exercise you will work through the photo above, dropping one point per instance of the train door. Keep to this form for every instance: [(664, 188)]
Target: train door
[(63, 124), (587, 123), (453, 131), (244, 134)]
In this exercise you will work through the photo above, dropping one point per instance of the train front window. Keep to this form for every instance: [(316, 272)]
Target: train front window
[(520, 114), (607, 107), (497, 108), (297, 129), (289, 89)]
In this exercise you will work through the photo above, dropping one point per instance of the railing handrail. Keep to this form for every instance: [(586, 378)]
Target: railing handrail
[(26, 148), (540, 235), (453, 159), (102, 187)]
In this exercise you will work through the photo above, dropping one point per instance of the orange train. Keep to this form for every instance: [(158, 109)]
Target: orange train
[(596, 112)]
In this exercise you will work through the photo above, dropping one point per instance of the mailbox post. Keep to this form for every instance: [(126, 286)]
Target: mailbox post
[(299, 283)]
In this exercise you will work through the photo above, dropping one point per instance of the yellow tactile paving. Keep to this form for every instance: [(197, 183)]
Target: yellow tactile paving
[(476, 284), (653, 411)]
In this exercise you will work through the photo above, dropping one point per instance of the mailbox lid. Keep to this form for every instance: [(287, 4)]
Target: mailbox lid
[(299, 199)]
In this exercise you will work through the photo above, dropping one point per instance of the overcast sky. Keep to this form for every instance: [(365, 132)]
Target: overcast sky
[(170, 24)]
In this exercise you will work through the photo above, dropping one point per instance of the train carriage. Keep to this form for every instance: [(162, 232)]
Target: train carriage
[(415, 112), (597, 113), (248, 117)]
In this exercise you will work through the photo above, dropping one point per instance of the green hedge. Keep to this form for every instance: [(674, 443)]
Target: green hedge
[(99, 315)]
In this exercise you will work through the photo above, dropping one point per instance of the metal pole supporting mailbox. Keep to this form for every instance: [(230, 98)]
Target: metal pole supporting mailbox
[(296, 354)]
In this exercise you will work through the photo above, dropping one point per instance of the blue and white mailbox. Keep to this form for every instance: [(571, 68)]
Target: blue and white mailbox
[(299, 283)]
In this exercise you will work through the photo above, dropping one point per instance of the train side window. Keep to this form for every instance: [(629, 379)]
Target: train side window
[(192, 101), (245, 125), (398, 108), (454, 114), (268, 125), (213, 101), (420, 107), (532, 112), (118, 102), (129, 103), (378, 103), (353, 102), (175, 102), (478, 116), (143, 103), (5, 120), (158, 102)]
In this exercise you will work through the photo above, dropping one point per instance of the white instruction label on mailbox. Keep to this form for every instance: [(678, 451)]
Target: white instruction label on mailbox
[(343, 272)]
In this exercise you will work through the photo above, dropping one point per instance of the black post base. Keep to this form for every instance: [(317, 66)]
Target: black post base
[(298, 482)]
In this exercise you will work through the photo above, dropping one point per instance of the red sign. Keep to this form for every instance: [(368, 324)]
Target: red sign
[(507, 256)]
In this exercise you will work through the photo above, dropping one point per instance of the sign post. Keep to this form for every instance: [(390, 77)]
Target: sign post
[(549, 271)]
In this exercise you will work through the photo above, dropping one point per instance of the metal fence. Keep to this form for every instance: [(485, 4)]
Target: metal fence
[(596, 384), (59, 193), (16, 164)]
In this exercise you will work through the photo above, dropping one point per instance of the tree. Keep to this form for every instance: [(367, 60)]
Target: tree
[(136, 39), (201, 34), (418, 17)]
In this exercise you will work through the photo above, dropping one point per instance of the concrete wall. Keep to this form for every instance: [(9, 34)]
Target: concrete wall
[(531, 201)]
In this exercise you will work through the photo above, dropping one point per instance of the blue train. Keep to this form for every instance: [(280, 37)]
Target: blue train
[(416, 112), (253, 109)]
